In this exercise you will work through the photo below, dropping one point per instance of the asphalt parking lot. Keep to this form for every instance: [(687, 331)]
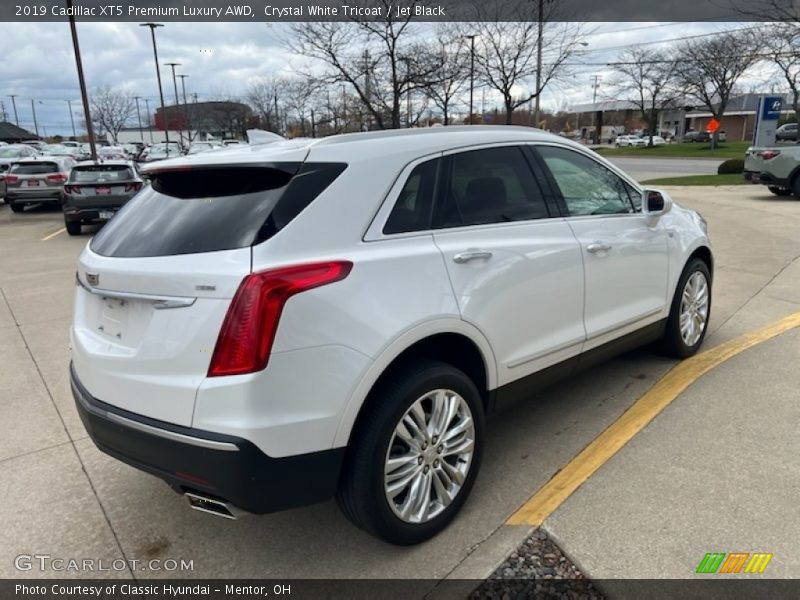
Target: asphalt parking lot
[(716, 471)]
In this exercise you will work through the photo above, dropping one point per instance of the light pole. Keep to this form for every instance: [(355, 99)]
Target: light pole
[(185, 108), (82, 83), (152, 27), (14, 104), (471, 39), (35, 124), (595, 86), (139, 117), (71, 119), (539, 44), (147, 113), (177, 102)]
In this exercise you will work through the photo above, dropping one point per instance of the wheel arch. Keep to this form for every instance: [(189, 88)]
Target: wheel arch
[(451, 340)]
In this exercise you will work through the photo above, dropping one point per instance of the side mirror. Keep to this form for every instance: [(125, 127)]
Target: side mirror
[(656, 203)]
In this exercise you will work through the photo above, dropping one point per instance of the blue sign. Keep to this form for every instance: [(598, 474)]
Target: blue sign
[(772, 108)]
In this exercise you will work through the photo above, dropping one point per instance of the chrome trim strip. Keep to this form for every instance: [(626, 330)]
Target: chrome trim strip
[(544, 354), (159, 302), (162, 433), (625, 324)]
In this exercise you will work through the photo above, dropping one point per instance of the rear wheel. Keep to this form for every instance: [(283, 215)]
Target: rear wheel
[(796, 185), (73, 227), (690, 311), (16, 207), (415, 455)]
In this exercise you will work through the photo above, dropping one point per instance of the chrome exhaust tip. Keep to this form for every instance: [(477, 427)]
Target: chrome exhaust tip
[(212, 506)]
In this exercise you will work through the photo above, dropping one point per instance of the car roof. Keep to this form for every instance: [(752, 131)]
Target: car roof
[(46, 159), (368, 145), (117, 161)]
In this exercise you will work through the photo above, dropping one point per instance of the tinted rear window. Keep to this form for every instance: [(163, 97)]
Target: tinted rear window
[(213, 209), (101, 174), (34, 168)]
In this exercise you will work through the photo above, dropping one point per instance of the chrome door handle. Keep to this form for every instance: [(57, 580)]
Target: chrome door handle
[(471, 254), (598, 247)]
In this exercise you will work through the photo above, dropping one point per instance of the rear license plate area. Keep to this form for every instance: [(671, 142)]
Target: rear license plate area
[(113, 318), (99, 190), (31, 183), (105, 214)]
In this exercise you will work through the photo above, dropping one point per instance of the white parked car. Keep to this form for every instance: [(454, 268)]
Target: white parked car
[(336, 316), (657, 140), (623, 141)]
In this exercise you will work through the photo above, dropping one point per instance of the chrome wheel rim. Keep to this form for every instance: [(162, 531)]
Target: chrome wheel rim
[(429, 456), (694, 308)]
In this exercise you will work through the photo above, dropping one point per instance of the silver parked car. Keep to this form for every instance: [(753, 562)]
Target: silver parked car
[(37, 180)]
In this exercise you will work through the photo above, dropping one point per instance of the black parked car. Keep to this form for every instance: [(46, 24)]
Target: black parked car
[(96, 191), (697, 136)]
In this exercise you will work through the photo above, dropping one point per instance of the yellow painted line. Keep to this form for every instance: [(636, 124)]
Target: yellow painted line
[(54, 234), (550, 496)]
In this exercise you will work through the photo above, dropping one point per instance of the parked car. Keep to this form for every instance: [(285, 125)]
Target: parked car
[(232, 142), (263, 330), (61, 150), (134, 149), (160, 152), (37, 180), (696, 136), (112, 153), (38, 144), (786, 132), (198, 147), (657, 140), (777, 168), (14, 152), (623, 141), (96, 191)]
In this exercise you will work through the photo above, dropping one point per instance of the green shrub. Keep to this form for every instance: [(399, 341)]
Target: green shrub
[(730, 166)]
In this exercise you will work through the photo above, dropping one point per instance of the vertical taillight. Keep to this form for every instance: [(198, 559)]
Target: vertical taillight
[(56, 178), (133, 187), (246, 337)]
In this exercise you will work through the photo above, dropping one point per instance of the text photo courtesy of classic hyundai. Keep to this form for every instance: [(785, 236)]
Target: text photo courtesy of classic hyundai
[(278, 324)]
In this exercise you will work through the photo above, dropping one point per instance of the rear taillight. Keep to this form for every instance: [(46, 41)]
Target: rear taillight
[(133, 187), (72, 189), (12, 179), (769, 154), (56, 178), (246, 337)]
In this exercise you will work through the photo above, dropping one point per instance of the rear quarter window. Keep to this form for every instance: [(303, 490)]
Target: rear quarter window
[(213, 209)]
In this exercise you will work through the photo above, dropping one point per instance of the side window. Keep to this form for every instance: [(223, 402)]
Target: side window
[(494, 185), (635, 196), (587, 186), (412, 210)]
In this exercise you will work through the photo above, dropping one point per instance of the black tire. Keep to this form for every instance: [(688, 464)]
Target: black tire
[(73, 227), (16, 207), (361, 494), (779, 191), (672, 343), (796, 186)]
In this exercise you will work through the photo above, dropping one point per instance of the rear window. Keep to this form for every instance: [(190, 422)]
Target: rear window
[(34, 168), (101, 174), (213, 209)]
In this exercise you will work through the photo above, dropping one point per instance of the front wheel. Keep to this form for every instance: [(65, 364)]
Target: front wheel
[(16, 207), (415, 454), (690, 311)]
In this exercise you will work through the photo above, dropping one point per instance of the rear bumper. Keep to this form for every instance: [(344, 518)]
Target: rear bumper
[(222, 466), (75, 213), (767, 179), (20, 196)]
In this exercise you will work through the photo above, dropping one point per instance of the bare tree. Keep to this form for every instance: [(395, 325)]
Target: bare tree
[(448, 56), (708, 69), (647, 79), (782, 43), (507, 53), (377, 59), (111, 109), (266, 96)]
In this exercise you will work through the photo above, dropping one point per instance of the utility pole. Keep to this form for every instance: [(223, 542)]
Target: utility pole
[(471, 72), (177, 102), (147, 114), (277, 114), (71, 119), (14, 104), (367, 90), (595, 85), (185, 108), (344, 108), (139, 117), (3, 110), (152, 27), (539, 44), (82, 82), (35, 124)]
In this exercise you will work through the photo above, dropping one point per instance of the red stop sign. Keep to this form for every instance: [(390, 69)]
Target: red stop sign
[(712, 126)]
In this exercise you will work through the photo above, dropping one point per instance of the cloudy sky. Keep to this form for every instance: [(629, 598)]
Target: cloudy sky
[(222, 58)]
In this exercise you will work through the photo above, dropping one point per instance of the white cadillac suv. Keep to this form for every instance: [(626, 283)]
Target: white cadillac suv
[(275, 325)]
